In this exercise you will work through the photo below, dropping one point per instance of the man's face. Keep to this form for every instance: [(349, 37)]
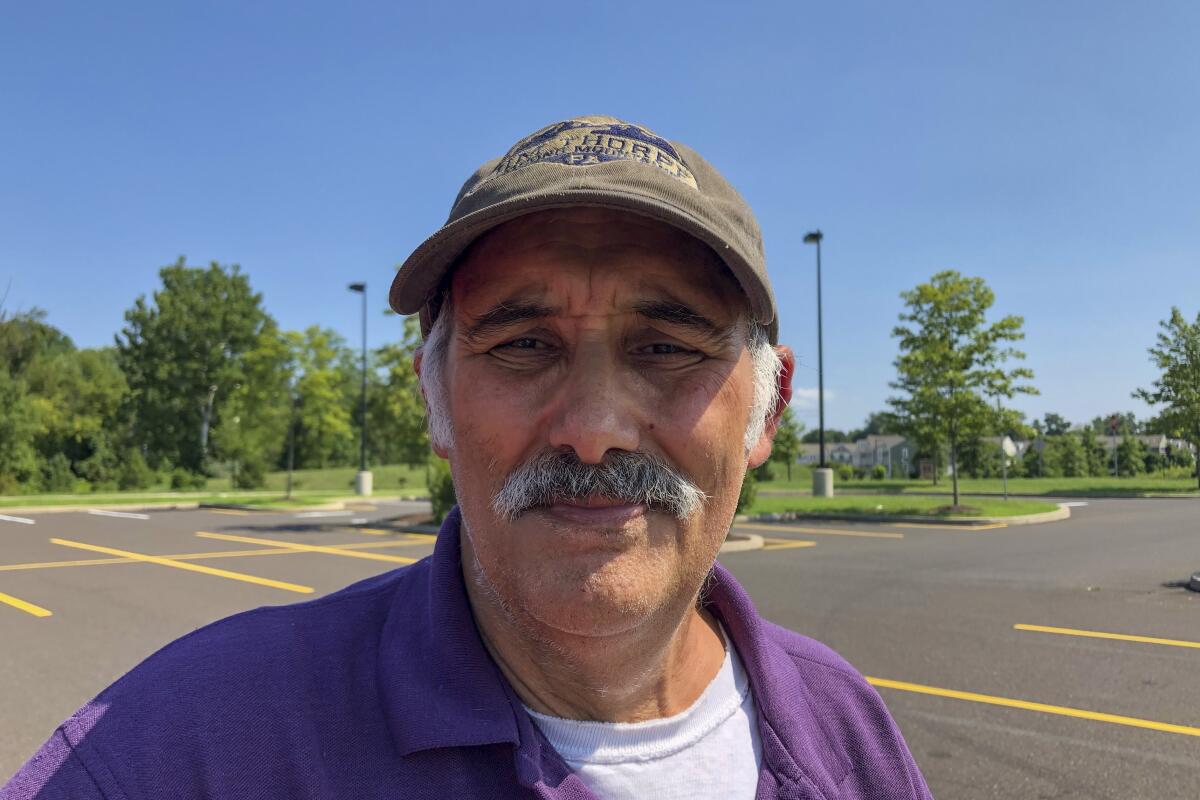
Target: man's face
[(590, 332)]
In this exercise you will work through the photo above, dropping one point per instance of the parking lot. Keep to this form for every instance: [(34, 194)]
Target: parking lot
[(1049, 661)]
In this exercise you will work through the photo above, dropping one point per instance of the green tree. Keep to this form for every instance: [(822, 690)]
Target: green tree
[(1033, 463), (69, 402), (979, 458), (878, 423), (183, 353), (1127, 424), (1131, 457), (1177, 356), (951, 359), (1065, 457), (786, 446), (1055, 424), (1094, 454), (395, 408), (18, 457), (324, 430), (252, 430), (832, 436)]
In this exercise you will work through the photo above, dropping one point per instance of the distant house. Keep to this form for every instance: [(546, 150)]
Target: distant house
[(1154, 443), (887, 450), (835, 453), (893, 452)]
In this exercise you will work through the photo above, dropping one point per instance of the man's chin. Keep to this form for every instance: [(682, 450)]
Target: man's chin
[(611, 599)]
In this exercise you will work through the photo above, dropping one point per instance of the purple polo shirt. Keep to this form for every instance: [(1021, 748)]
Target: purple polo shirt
[(384, 690)]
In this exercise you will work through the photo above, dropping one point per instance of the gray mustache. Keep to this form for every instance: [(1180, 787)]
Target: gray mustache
[(625, 476)]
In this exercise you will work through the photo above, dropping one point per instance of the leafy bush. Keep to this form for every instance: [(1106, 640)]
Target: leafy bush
[(844, 472), (748, 492), (878, 472), (134, 472), (441, 487), (183, 480), (57, 476), (764, 472), (250, 475)]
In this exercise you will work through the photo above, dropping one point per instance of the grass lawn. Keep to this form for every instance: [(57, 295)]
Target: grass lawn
[(309, 486), (1043, 487), (388, 479), (909, 505), (134, 498)]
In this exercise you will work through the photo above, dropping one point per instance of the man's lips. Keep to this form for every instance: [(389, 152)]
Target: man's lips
[(595, 511)]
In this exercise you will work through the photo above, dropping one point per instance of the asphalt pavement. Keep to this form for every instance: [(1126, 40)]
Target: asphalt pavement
[(1046, 661)]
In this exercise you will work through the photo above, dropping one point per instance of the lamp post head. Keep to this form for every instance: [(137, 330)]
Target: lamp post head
[(814, 237), (357, 287)]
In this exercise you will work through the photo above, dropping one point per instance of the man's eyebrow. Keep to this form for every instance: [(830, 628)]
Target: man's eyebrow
[(505, 314), (679, 314)]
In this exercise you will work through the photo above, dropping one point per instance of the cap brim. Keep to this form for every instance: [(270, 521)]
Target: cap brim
[(423, 272)]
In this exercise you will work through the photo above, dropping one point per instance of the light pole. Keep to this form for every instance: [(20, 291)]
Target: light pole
[(823, 476), (1004, 455), (291, 436), (362, 481)]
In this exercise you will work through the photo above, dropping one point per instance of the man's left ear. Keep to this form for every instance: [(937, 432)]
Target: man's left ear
[(761, 450)]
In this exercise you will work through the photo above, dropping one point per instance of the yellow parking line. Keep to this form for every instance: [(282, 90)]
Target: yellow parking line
[(273, 551), (390, 532), (819, 531), (309, 548), (1123, 637), (1044, 708), (28, 608), (51, 564), (381, 545), (948, 526), (169, 562), (786, 544)]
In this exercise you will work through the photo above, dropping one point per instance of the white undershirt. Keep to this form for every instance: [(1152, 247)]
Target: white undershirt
[(711, 750)]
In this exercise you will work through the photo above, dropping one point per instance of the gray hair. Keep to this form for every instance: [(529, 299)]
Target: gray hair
[(633, 477), (765, 365)]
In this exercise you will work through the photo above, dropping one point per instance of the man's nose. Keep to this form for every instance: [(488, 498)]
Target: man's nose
[(594, 409)]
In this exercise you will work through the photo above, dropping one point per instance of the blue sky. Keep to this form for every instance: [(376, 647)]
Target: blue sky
[(1050, 148)]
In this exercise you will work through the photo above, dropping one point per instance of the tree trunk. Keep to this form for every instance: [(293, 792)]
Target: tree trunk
[(954, 465), (206, 410)]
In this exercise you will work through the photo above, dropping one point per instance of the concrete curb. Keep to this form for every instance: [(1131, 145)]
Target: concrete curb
[(101, 506), (332, 506), (1063, 512), (193, 505), (855, 491), (740, 542)]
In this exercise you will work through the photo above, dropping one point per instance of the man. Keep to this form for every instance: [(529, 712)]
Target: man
[(600, 370)]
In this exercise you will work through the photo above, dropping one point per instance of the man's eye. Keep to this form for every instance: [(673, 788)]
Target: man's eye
[(524, 343), (665, 349)]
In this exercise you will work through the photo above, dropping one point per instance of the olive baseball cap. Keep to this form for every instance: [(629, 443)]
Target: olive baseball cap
[(594, 161)]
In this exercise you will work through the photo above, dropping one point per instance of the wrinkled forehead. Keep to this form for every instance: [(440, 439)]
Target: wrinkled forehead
[(593, 261)]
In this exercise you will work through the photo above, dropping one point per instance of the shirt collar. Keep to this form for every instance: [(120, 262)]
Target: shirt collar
[(441, 688), (795, 743), (439, 685)]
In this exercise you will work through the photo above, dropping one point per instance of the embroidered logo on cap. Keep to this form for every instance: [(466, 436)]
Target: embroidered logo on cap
[(594, 140)]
